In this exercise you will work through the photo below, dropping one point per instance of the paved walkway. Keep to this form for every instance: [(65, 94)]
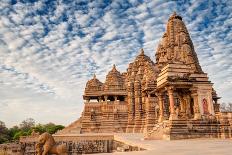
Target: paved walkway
[(177, 147)]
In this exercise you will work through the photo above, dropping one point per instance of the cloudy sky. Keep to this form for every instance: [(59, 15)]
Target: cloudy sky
[(49, 49)]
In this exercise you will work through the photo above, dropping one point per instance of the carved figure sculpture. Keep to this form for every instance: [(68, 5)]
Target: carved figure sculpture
[(205, 106), (46, 145), (38, 149)]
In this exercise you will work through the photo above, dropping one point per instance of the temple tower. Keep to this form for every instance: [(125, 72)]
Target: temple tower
[(176, 46), (141, 82), (181, 76)]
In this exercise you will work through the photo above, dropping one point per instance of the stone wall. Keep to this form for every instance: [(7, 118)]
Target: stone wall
[(76, 144), (11, 149), (104, 117)]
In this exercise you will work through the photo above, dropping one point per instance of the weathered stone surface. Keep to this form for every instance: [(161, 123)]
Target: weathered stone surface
[(46, 145), (149, 96)]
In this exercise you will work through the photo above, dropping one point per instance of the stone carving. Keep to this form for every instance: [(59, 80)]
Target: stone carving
[(46, 144), (93, 85), (133, 93), (177, 42), (38, 149), (205, 106)]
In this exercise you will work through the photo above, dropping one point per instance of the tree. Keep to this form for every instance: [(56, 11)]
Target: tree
[(50, 128), (54, 129), (12, 131), (19, 134), (4, 137), (25, 129), (27, 124), (39, 128)]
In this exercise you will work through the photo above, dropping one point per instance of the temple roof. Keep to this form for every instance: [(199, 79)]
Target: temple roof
[(114, 80), (142, 69), (93, 85), (176, 45)]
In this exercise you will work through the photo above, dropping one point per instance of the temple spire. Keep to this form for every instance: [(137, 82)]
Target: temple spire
[(176, 45), (114, 68), (174, 13), (141, 51), (175, 16)]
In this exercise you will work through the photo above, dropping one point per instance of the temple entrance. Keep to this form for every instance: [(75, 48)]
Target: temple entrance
[(110, 98), (121, 98), (192, 107)]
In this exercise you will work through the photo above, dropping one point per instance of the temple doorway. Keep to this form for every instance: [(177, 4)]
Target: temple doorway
[(192, 107)]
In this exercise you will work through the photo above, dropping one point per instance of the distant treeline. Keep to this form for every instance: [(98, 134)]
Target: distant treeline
[(25, 129)]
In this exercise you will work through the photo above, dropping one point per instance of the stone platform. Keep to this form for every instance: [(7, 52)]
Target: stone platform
[(128, 143), (175, 147)]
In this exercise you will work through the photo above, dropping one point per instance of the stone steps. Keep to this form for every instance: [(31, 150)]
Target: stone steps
[(180, 129)]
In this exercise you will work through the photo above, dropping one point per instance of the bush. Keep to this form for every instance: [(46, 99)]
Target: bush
[(19, 134), (25, 129)]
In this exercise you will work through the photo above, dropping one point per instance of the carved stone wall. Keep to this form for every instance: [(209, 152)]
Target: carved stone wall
[(76, 144), (176, 45)]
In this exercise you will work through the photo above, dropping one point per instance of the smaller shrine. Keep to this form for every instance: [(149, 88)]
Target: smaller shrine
[(105, 104)]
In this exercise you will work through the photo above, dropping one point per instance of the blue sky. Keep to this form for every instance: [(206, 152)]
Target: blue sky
[(49, 49)]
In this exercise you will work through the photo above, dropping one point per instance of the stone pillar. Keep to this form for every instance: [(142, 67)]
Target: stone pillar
[(105, 98), (150, 116), (99, 99), (138, 107), (130, 101), (197, 114), (88, 100), (161, 107), (115, 98), (173, 115)]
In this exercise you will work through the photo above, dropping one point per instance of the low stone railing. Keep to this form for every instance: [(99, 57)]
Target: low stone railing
[(76, 144)]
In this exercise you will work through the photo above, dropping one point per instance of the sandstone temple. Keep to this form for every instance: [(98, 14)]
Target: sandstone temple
[(170, 97)]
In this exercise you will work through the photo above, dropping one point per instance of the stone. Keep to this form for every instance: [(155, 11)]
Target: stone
[(46, 144), (153, 96)]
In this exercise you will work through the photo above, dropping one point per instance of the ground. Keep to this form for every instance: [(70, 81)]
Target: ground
[(176, 147)]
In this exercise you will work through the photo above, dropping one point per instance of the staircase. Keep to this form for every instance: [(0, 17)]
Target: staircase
[(186, 129)]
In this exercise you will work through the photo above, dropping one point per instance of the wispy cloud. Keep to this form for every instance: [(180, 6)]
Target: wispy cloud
[(49, 49)]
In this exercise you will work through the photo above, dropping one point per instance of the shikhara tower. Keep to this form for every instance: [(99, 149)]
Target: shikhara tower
[(169, 98)]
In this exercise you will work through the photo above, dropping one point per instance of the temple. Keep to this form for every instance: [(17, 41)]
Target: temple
[(168, 98)]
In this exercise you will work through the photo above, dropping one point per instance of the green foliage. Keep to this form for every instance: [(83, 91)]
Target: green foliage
[(4, 137), (19, 134), (50, 128), (25, 129), (12, 131), (53, 129), (39, 128)]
